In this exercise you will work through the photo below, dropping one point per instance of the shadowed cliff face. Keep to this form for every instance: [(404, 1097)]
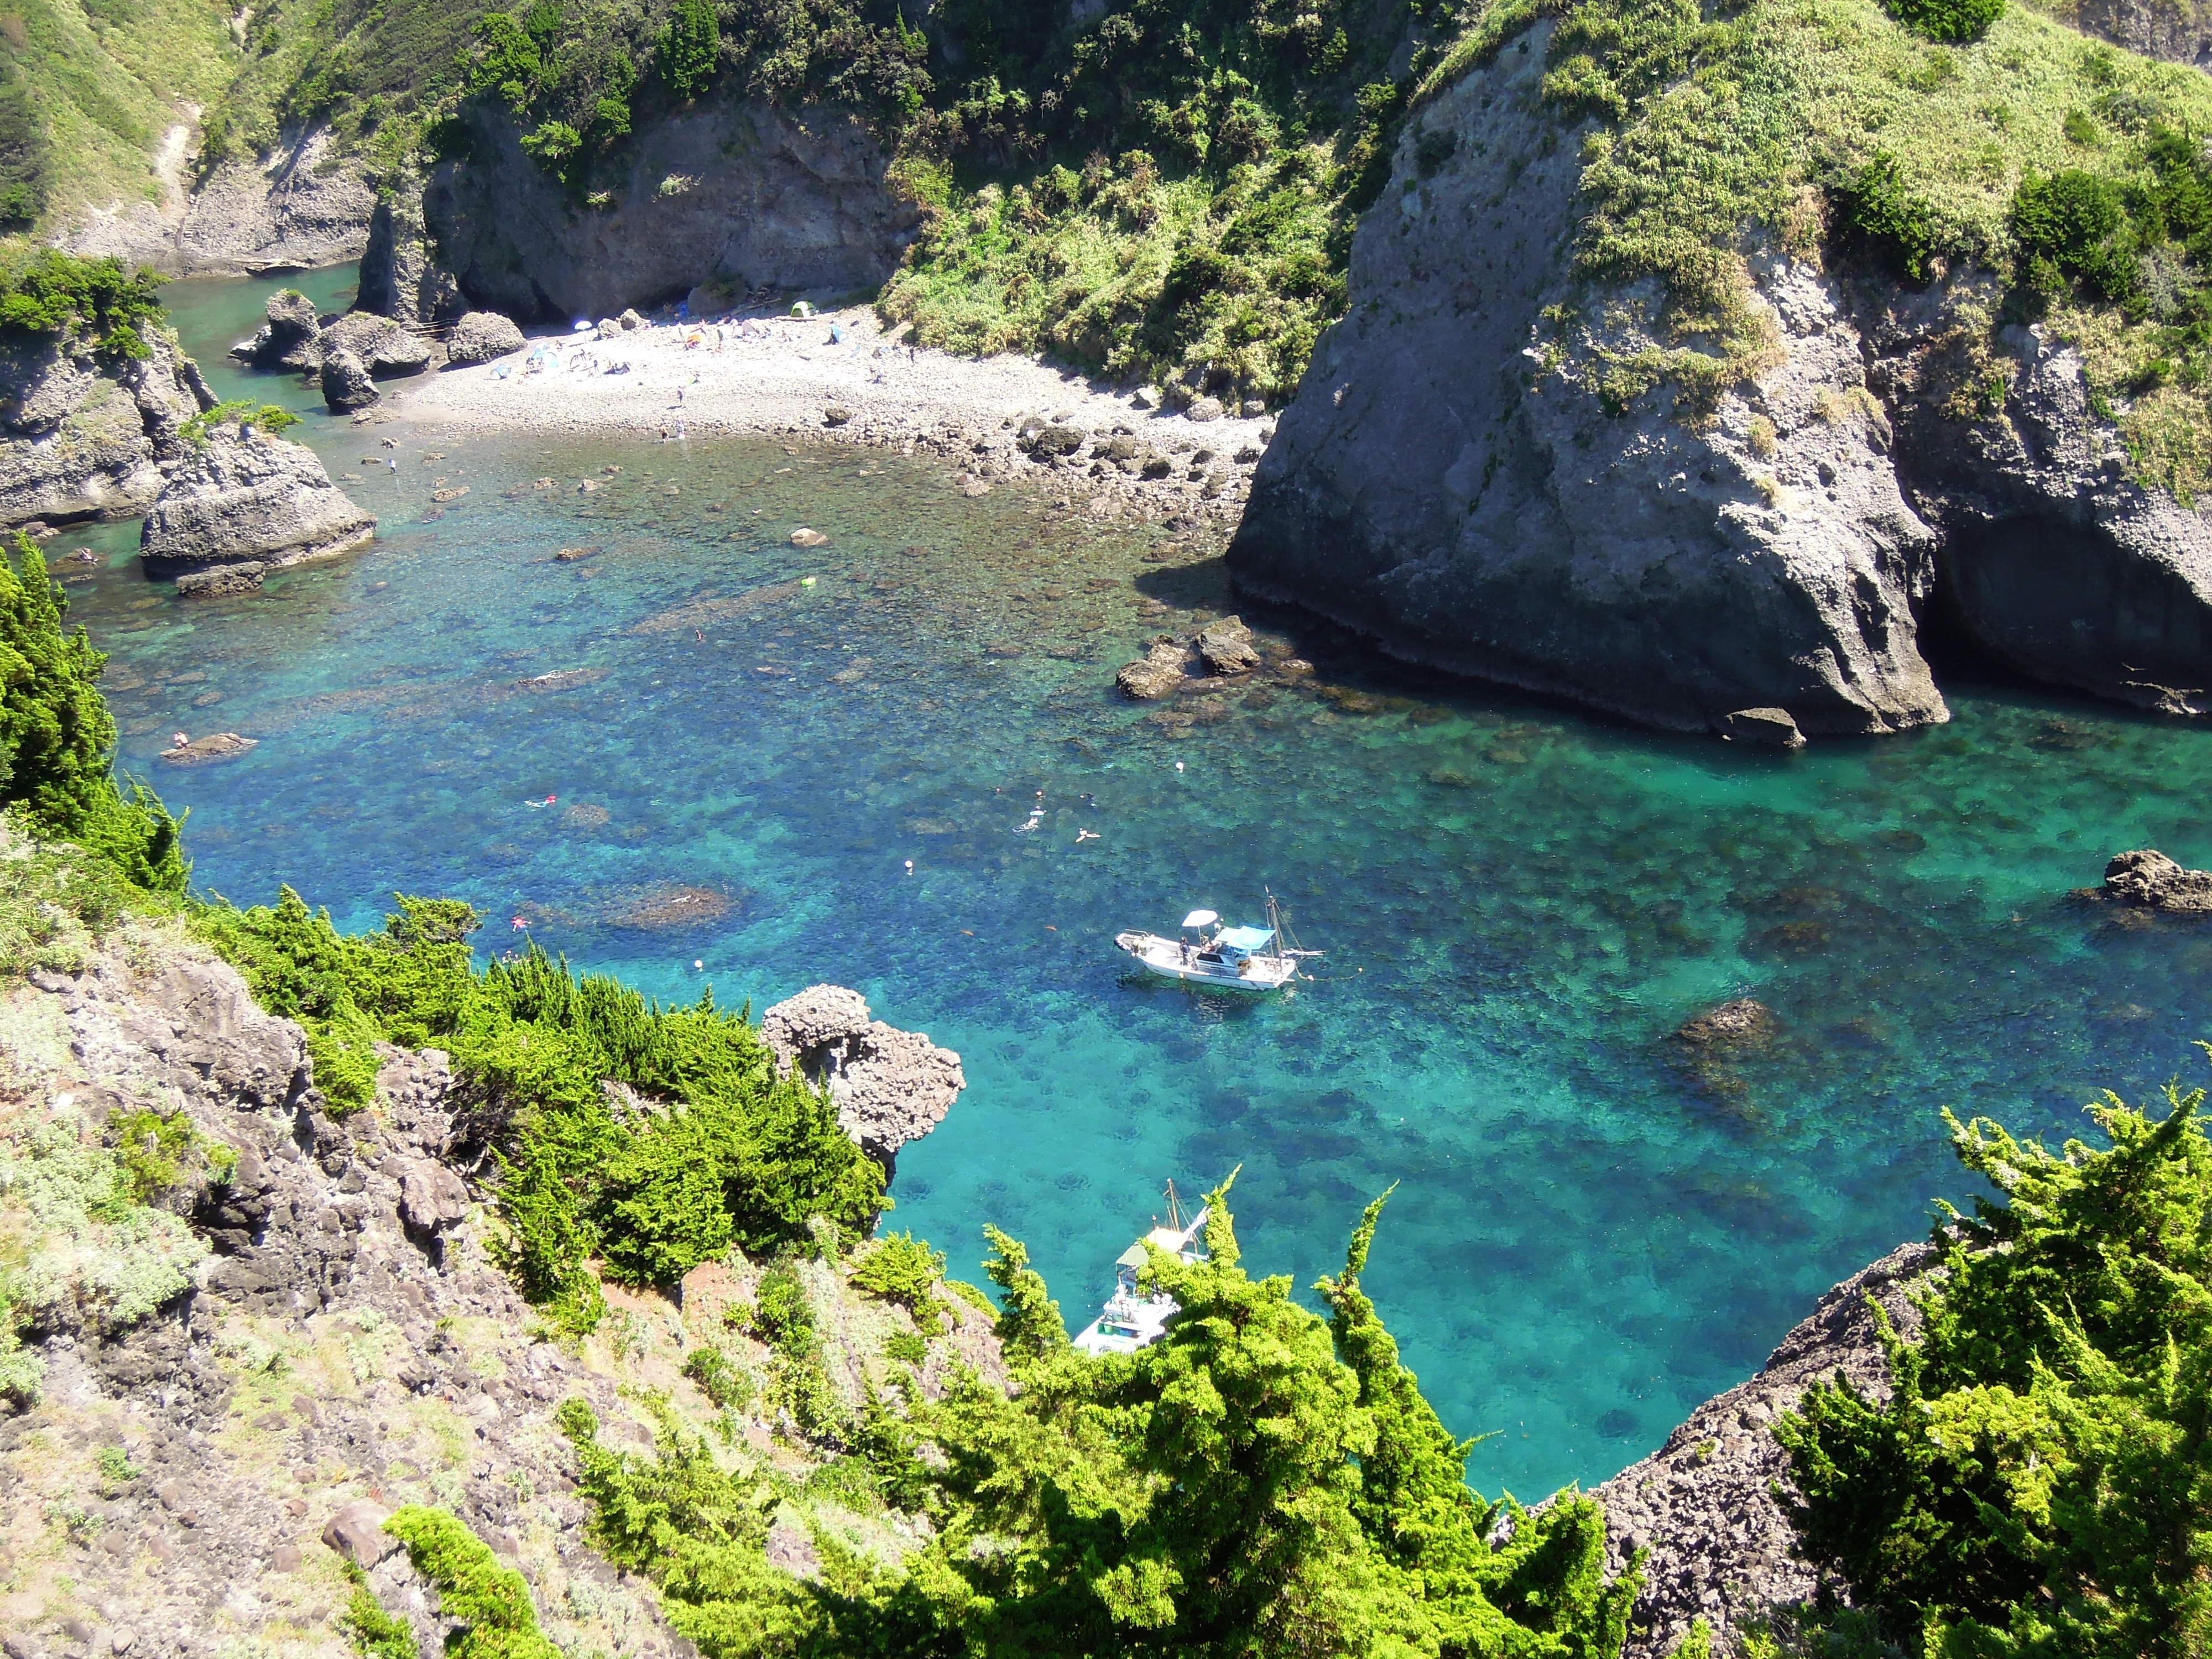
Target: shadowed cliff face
[(743, 196), (1456, 478)]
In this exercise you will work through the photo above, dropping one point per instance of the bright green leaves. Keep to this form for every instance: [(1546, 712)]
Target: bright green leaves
[(688, 46), (1029, 1326), (49, 292), (1878, 216), (2072, 226), (1948, 20), (489, 1602), (2037, 1486)]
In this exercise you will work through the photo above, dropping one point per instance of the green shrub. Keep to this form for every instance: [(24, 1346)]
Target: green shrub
[(2074, 226), (151, 1148), (724, 1384), (2036, 1484), (1948, 20), (1896, 229), (901, 1269), (491, 1601), (272, 419), (688, 47), (47, 291), (373, 1632)]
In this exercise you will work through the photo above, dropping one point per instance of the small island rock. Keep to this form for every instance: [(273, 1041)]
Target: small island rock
[(255, 499), (1156, 673), (220, 746), (1772, 728), (288, 338), (221, 582), (1736, 1023), (2147, 877), (890, 1086), (346, 383), (387, 350), (1227, 647), (480, 336)]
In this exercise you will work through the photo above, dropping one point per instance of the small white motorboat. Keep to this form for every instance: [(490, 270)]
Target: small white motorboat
[(1249, 958), (1133, 1320)]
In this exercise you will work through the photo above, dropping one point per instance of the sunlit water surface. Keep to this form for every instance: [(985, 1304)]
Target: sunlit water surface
[(1589, 1235)]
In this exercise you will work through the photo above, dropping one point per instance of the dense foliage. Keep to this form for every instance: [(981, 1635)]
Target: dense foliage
[(2041, 1484), (45, 291), (57, 740), (1258, 1483), (489, 1602), (716, 1151)]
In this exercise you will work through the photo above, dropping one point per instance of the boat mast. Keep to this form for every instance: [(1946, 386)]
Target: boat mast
[(1175, 1209)]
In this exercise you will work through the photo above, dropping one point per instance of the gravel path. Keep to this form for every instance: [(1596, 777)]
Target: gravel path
[(787, 375)]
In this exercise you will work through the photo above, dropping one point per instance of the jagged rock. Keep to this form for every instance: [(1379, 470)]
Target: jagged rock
[(346, 383), (1771, 728), (1705, 1504), (2148, 877), (356, 1532), (220, 745), (630, 320), (384, 347), (890, 1086), (431, 1196), (288, 338), (221, 582), (1227, 647), (401, 277), (836, 414), (1741, 1023), (256, 499), (82, 438), (479, 338), (1156, 673)]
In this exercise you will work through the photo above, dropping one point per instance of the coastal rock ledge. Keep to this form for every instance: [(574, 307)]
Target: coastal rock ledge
[(890, 1086), (1705, 1504), (250, 499)]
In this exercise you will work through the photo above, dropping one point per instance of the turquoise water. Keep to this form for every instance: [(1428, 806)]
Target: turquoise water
[(1518, 903)]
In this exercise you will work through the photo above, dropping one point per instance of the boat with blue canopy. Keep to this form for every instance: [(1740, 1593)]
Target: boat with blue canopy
[(1132, 1319), (1250, 957)]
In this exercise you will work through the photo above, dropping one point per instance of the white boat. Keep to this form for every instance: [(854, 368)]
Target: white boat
[(1249, 958), (1133, 1320)]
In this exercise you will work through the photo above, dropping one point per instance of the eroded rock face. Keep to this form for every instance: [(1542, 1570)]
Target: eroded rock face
[(2148, 877), (81, 438), (400, 274), (1704, 1504), (289, 337), (479, 338), (255, 499), (385, 348), (761, 197), (890, 1086), (1481, 487), (346, 383)]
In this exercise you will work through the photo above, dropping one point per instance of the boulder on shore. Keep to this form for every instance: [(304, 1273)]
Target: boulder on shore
[(890, 1086), (255, 500), (2147, 877), (346, 383), (479, 338)]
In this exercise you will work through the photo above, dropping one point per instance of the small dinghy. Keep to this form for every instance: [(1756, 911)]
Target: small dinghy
[(1251, 958)]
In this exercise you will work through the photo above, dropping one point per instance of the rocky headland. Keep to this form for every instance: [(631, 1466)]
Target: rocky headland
[(239, 497), (87, 433)]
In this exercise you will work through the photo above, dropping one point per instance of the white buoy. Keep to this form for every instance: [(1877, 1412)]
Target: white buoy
[(910, 867), (697, 964), (1178, 766)]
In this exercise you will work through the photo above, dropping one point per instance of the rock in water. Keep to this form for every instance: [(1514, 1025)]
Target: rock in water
[(479, 338), (1227, 647), (387, 350), (1772, 727), (401, 277), (1740, 1024), (346, 383), (1156, 673), (2148, 877), (890, 1086), (289, 337), (222, 745), (221, 582), (257, 499), (83, 439)]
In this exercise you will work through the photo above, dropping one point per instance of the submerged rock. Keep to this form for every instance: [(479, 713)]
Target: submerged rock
[(891, 1086), (479, 338), (2147, 877), (222, 745), (257, 500), (1227, 647), (1741, 1022), (1772, 728), (221, 582)]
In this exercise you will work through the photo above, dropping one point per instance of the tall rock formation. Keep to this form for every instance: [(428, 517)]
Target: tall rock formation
[(1468, 479), (84, 437), (249, 499)]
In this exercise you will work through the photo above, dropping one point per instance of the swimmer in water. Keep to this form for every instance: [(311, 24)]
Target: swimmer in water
[(520, 924), (1082, 836), (910, 867)]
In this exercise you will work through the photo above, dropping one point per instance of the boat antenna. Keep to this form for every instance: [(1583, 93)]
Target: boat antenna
[(1175, 1208)]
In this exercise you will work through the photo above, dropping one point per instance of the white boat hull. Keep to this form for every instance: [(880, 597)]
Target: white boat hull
[(1172, 959)]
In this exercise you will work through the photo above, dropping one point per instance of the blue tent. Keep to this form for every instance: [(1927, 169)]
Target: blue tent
[(1244, 939)]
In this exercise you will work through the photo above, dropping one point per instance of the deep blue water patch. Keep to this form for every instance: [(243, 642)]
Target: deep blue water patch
[(1592, 1233)]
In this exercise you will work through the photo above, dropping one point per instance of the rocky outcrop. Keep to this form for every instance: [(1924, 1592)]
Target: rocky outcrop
[(2178, 31), (1484, 487), (1742, 1022), (1160, 672), (304, 204), (289, 337), (890, 1086), (2149, 879), (347, 385), (83, 436), (387, 350), (479, 338), (741, 194), (215, 746), (401, 277), (295, 338), (1706, 1504), (249, 500), (221, 582)]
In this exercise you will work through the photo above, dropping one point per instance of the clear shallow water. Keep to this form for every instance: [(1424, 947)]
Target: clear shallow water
[(1518, 903)]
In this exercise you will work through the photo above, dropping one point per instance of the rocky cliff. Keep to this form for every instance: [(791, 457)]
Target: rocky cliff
[(239, 498), (83, 436), (1472, 472), (251, 1330), (739, 194)]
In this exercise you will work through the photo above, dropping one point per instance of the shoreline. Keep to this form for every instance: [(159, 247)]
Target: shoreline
[(784, 376)]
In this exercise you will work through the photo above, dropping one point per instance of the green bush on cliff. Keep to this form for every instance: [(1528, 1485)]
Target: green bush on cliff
[(489, 1603), (2038, 1485), (108, 304), (57, 740), (1260, 1483)]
